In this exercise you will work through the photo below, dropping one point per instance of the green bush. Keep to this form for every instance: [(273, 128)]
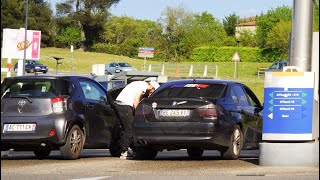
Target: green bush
[(105, 48), (225, 54)]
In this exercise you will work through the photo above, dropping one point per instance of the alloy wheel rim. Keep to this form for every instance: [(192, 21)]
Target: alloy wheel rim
[(75, 142), (236, 142)]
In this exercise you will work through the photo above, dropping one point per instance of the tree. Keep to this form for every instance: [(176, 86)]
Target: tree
[(278, 37), (175, 22), (316, 16), (230, 24), (89, 15), (265, 22), (39, 17)]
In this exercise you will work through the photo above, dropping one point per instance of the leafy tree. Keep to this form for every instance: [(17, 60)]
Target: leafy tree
[(230, 23), (69, 36), (175, 22), (89, 15), (316, 16), (278, 37), (265, 22), (39, 17)]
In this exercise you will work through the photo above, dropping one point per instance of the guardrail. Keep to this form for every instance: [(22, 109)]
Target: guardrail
[(261, 72), (185, 70)]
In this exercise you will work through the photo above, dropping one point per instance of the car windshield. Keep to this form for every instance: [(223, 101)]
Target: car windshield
[(124, 65), (29, 88), (35, 62), (192, 91)]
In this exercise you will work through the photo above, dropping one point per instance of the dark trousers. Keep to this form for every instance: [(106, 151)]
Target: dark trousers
[(125, 115)]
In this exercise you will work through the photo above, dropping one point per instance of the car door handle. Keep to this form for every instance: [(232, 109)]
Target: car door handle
[(90, 106)]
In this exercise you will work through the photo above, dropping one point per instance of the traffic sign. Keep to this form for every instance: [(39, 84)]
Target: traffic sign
[(236, 57)]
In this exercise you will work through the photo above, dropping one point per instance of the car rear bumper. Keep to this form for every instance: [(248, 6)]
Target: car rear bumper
[(49, 130), (182, 135)]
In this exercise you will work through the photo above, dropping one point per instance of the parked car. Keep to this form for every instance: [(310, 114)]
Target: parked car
[(198, 115), (66, 113), (117, 67), (278, 66), (32, 66)]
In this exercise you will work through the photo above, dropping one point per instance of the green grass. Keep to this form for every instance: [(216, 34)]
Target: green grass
[(83, 61)]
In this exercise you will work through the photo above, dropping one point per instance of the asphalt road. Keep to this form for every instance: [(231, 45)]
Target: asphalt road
[(98, 164)]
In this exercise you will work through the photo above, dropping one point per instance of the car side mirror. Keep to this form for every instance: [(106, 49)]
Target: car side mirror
[(257, 110)]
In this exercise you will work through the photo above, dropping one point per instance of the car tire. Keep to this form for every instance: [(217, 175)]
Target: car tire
[(74, 144), (145, 153), (195, 153), (42, 153), (235, 145)]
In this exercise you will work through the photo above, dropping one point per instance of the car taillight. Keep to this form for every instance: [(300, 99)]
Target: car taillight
[(143, 110), (59, 104), (208, 111)]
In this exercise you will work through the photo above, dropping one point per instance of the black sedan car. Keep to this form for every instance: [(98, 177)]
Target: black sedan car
[(33, 66), (66, 113), (198, 115)]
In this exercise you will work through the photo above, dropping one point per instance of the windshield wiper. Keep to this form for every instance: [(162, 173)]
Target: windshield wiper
[(25, 97)]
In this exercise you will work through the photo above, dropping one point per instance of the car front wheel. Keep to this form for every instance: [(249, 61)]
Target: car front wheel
[(235, 145), (74, 144)]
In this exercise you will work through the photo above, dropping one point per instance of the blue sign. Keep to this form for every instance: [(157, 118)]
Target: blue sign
[(288, 111), (288, 106)]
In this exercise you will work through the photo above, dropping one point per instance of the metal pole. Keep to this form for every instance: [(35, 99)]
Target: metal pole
[(144, 63), (25, 40), (301, 36)]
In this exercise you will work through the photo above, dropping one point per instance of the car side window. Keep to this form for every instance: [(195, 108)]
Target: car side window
[(234, 96), (92, 91), (241, 95), (252, 98)]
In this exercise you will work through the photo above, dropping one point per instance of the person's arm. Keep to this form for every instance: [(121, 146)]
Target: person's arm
[(137, 99)]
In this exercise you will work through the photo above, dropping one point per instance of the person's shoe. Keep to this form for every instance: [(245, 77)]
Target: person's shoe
[(126, 155)]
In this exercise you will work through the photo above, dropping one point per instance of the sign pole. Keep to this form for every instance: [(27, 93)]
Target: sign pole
[(71, 58), (144, 63)]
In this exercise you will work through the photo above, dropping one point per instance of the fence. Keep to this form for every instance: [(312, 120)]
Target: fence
[(261, 72), (185, 70)]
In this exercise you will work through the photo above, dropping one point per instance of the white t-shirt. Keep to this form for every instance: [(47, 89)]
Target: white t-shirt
[(128, 94)]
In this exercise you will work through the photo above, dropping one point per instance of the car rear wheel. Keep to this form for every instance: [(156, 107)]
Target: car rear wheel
[(42, 153), (235, 145), (74, 144), (195, 153), (145, 153)]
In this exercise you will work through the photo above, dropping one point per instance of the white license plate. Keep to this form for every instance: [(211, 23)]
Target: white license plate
[(174, 112), (19, 127)]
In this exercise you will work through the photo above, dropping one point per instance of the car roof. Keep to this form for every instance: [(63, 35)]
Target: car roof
[(47, 77), (227, 82)]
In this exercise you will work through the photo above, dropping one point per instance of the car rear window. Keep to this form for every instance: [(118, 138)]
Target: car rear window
[(46, 88), (192, 91)]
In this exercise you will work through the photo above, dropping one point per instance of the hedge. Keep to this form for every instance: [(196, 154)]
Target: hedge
[(225, 54)]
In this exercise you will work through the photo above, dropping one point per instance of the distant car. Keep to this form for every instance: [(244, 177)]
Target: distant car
[(198, 115), (32, 66), (117, 67), (66, 113), (278, 66)]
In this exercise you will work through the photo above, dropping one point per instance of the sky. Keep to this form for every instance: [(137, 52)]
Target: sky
[(152, 9)]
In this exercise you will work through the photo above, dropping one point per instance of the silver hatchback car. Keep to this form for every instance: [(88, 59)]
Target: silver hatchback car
[(117, 67)]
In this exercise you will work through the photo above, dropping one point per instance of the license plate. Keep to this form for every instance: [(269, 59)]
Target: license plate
[(174, 112), (19, 127)]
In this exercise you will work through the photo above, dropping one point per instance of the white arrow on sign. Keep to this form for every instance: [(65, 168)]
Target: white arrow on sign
[(236, 57)]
